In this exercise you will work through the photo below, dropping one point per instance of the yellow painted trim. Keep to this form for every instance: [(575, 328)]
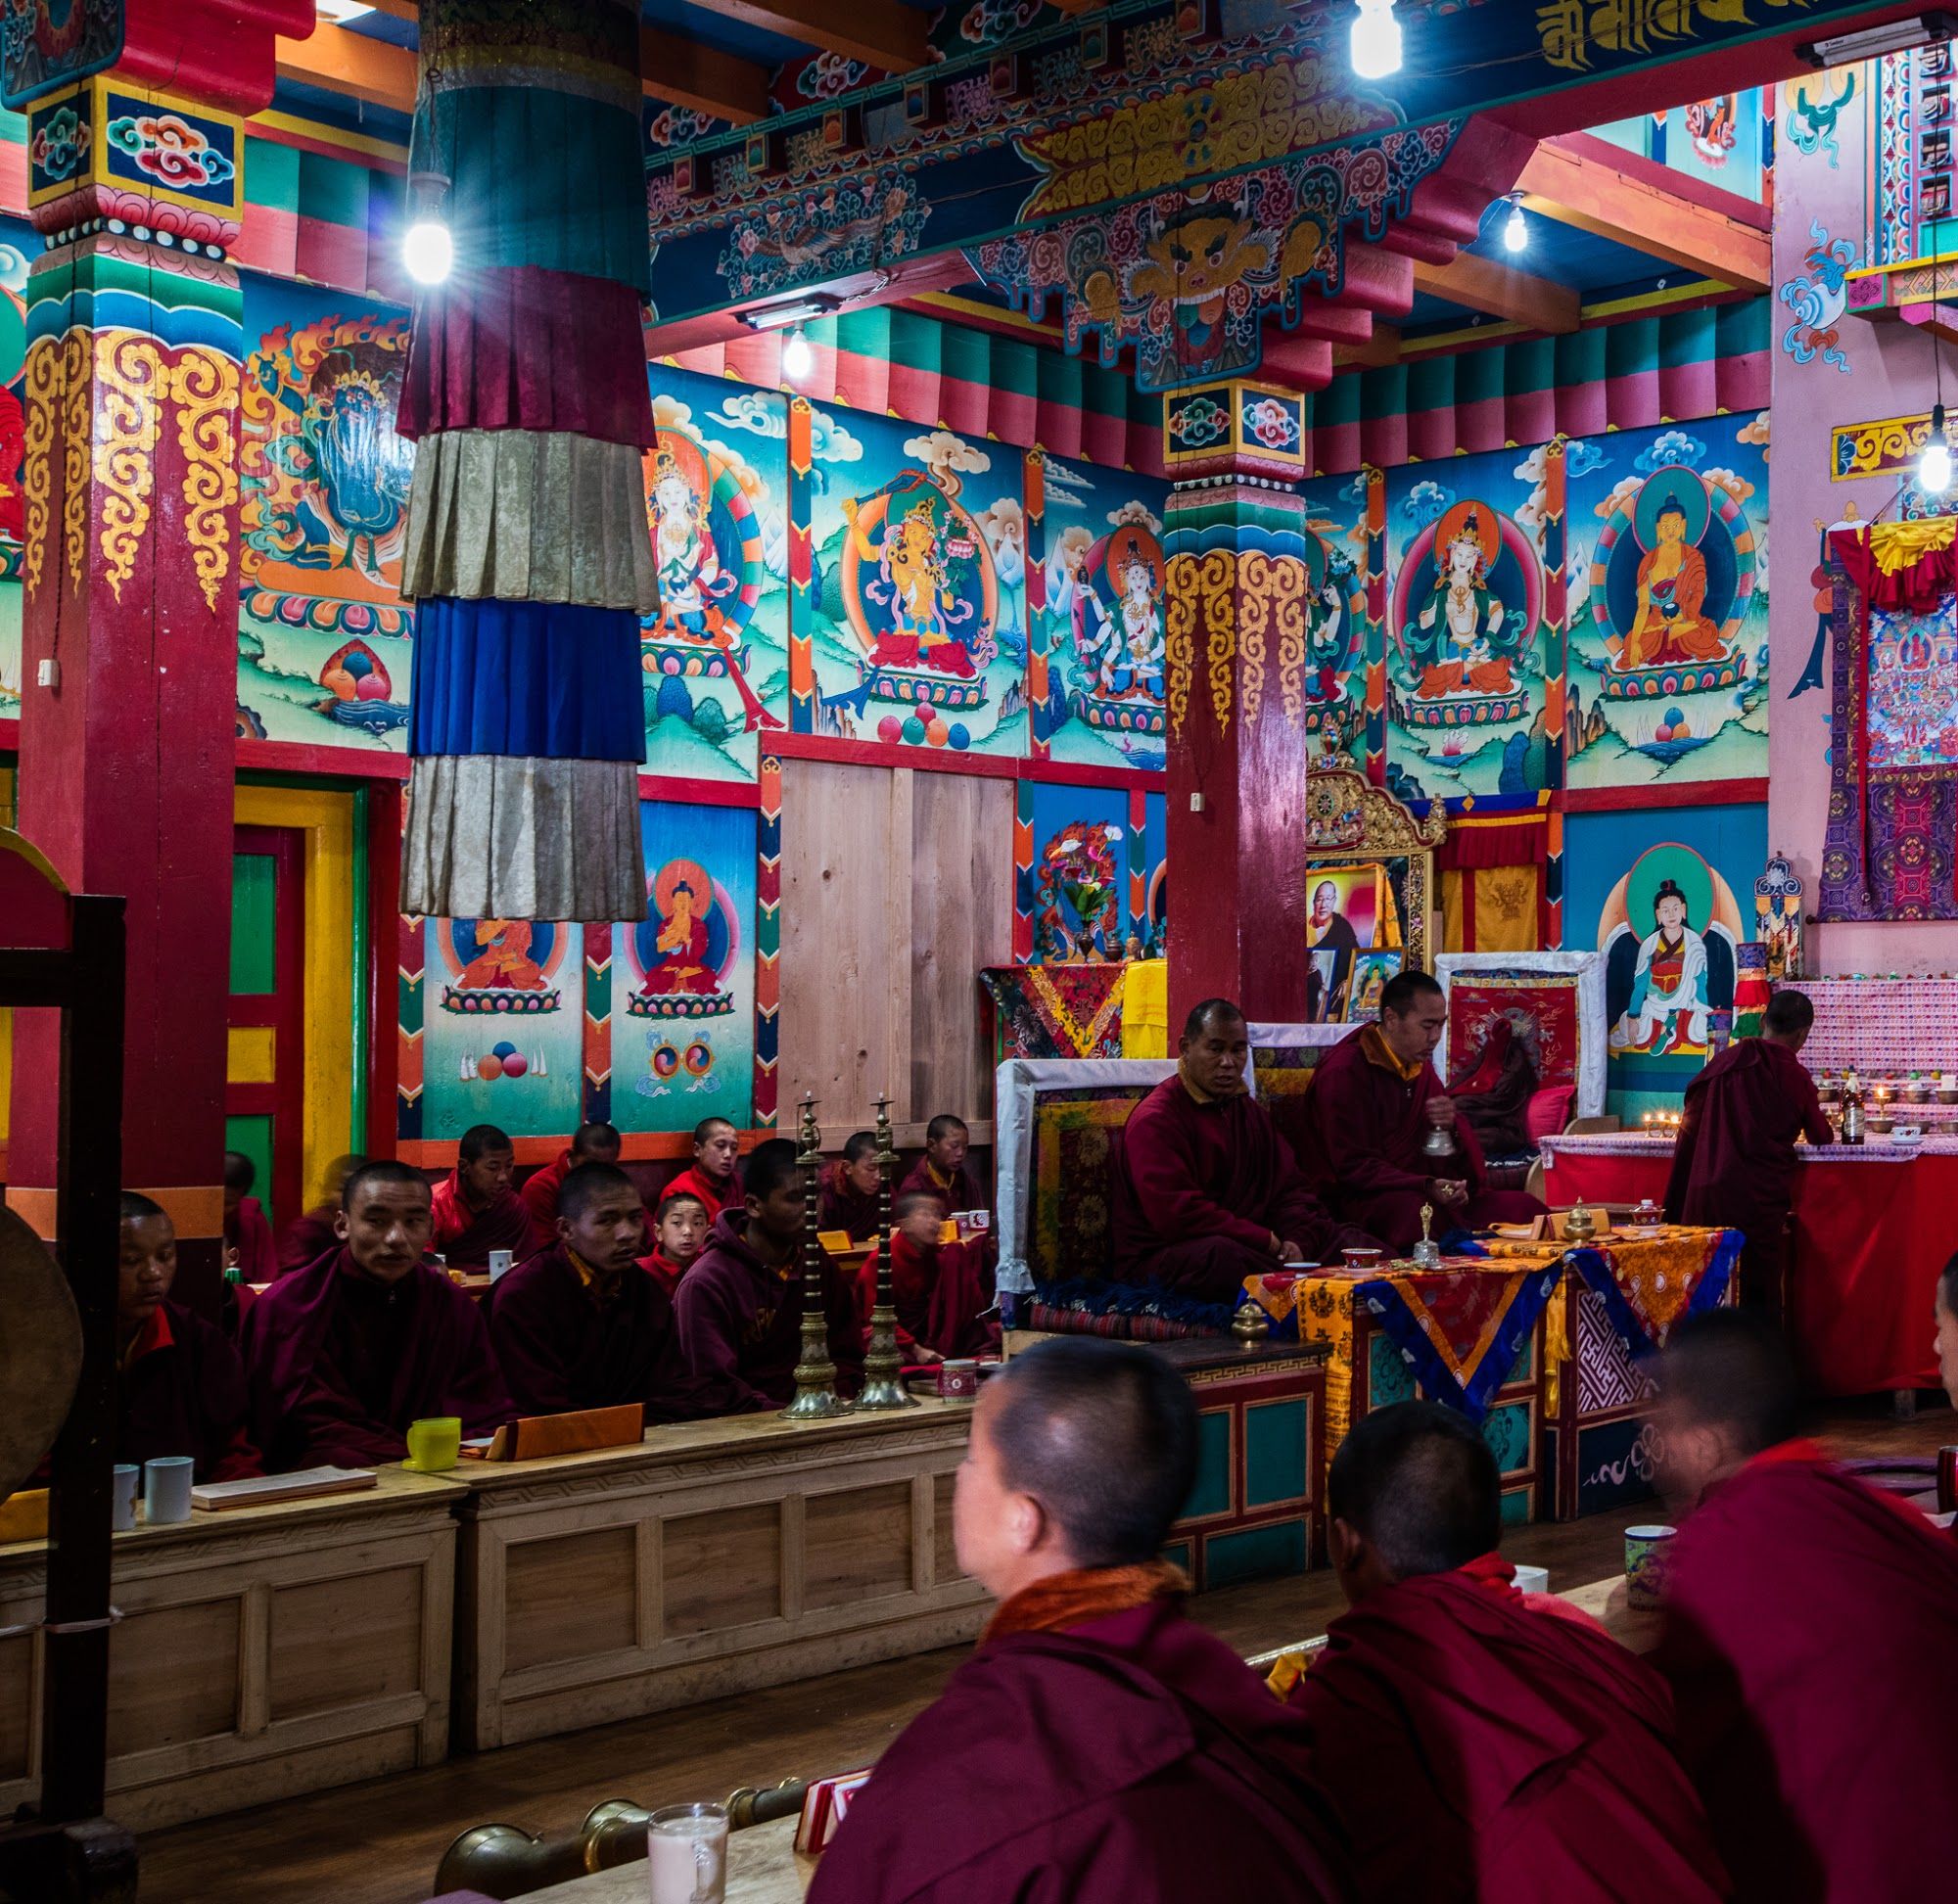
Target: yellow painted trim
[(250, 1057), (328, 135), (327, 820)]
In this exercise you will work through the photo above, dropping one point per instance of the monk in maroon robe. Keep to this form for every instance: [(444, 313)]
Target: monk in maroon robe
[(741, 1306), (1810, 1636), (180, 1387), (1098, 1747), (942, 1168), (476, 1211), (345, 1355), (1475, 1742), (941, 1291), (581, 1325), (590, 1144), (1204, 1190), (309, 1237), (1944, 1321), (247, 1236), (1734, 1162), (1373, 1100), (714, 1176), (679, 1233), (849, 1189)]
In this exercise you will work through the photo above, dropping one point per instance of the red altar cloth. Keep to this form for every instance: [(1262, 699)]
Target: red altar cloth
[(1872, 1229)]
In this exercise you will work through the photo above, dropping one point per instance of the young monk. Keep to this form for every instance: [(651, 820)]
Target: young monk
[(939, 1289), (1474, 1741), (1944, 1318), (713, 1177), (1808, 1635), (680, 1234), (310, 1236), (848, 1195), (1098, 1747), (181, 1386), (247, 1236), (741, 1305), (343, 1355), (475, 1209), (581, 1327), (590, 1144), (941, 1169)]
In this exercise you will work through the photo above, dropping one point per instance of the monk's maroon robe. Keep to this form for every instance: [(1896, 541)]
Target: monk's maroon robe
[(719, 1193), (1128, 1759), (958, 1192), (309, 1238), (539, 1192), (463, 1238), (1198, 1190), (562, 1346), (1811, 1639), (181, 1391), (1474, 1747), (843, 1206), (340, 1365), (941, 1295), (740, 1322), (251, 1236), (1734, 1164), (1368, 1124)]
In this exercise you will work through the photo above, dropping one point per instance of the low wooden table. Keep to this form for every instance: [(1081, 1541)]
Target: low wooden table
[(763, 1868), (261, 1652), (711, 1558)]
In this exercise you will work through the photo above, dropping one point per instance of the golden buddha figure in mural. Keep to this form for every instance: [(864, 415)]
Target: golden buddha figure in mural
[(1669, 626)]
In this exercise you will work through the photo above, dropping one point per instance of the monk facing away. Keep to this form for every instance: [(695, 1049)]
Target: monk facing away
[(582, 1325), (475, 1208), (1474, 1741), (344, 1354), (590, 1144), (1810, 1635), (1732, 1165), (1098, 1747), (1205, 1190), (1373, 1100)]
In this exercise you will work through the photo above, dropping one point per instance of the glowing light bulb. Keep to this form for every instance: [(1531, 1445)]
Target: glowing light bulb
[(798, 359), (1934, 467), (1515, 228), (428, 251), (1376, 40)]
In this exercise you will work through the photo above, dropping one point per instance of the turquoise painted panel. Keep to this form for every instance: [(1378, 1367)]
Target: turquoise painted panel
[(1181, 1554), (1257, 1553), (1212, 1493), (1388, 1377), (1516, 1506), (1507, 1430), (1274, 1453)]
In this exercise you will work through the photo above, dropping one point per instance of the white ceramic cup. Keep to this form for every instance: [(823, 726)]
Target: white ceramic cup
[(123, 1496), (499, 1262), (687, 1854), (167, 1489), (1532, 1580)]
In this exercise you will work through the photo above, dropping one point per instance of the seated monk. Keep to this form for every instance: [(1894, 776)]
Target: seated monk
[(247, 1236), (475, 1209), (712, 1177), (590, 1144), (1945, 1315), (849, 1189), (343, 1355), (180, 1386), (1495, 1093), (941, 1291), (741, 1305), (1476, 1742), (309, 1237), (1206, 1193), (1732, 1163), (679, 1233), (1807, 1634), (941, 1170), (1373, 1098), (1098, 1746), (581, 1325)]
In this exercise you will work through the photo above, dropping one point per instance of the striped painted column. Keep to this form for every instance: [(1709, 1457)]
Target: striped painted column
[(529, 553)]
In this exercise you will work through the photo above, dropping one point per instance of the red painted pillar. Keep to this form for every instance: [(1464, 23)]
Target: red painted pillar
[(1237, 689), (130, 572)]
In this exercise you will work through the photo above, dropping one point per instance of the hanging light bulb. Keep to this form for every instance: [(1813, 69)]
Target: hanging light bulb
[(428, 251), (798, 359), (1376, 40), (1934, 467), (1516, 227)]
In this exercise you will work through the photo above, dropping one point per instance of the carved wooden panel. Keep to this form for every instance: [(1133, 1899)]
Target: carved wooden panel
[(569, 1597), (722, 1569)]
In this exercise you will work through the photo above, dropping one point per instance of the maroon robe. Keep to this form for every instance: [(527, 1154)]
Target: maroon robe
[(941, 1295), (463, 1238), (340, 1365), (561, 1348), (843, 1206), (740, 1322), (1475, 1746), (959, 1192), (251, 1236), (1811, 1639), (181, 1391), (1367, 1125), (309, 1238), (540, 1194), (1734, 1164), (717, 1193), (1198, 1190), (1128, 1758)]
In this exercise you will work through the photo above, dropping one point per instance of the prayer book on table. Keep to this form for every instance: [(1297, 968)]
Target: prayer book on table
[(824, 1806), (261, 1489), (534, 1436)]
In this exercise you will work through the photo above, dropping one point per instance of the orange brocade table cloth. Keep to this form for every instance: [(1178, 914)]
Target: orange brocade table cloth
[(1873, 1228)]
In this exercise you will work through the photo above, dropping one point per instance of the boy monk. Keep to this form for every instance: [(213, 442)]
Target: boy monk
[(581, 1325), (849, 1189), (475, 1209), (680, 1234), (941, 1169), (712, 1177), (1098, 1747), (344, 1354), (741, 1305), (1475, 1742), (1810, 1635), (247, 1236), (590, 1144), (939, 1289), (181, 1386)]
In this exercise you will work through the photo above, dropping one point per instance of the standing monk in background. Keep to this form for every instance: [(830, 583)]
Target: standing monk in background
[(247, 1236), (1733, 1164), (475, 1209), (1373, 1101)]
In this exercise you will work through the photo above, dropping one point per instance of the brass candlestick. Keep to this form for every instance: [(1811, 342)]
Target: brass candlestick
[(815, 1396), (883, 1366)]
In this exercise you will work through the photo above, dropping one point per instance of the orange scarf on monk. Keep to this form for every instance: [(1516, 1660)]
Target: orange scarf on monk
[(1373, 1043), (1073, 1599)]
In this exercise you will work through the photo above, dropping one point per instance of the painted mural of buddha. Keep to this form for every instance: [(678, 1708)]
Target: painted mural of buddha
[(1463, 616), (1669, 626)]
